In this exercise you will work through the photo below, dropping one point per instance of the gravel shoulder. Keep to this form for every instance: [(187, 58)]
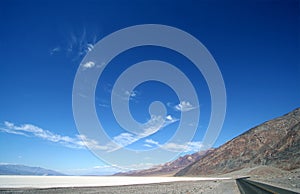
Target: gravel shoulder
[(270, 175)]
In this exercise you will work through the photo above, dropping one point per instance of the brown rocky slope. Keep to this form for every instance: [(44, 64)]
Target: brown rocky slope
[(274, 143)]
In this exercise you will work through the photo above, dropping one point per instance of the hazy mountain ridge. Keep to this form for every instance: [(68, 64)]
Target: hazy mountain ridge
[(274, 143), (169, 168), (14, 169)]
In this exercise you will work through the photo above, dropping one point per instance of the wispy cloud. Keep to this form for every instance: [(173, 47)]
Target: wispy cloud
[(148, 145), (93, 144), (12, 132), (55, 50), (184, 106), (80, 45), (89, 47), (125, 139), (186, 147), (151, 141), (155, 124), (77, 45), (29, 130), (80, 141)]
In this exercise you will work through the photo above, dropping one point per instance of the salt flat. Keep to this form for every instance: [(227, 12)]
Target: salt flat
[(8, 181)]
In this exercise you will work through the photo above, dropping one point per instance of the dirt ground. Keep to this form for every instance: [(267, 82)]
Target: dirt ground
[(210, 187)]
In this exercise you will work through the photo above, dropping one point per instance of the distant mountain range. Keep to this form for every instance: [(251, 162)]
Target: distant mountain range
[(169, 168), (12, 169), (275, 143)]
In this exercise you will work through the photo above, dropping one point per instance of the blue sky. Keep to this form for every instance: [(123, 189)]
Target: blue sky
[(256, 45)]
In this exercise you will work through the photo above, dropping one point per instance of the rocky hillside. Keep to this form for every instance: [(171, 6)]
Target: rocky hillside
[(169, 168), (12, 169), (274, 143)]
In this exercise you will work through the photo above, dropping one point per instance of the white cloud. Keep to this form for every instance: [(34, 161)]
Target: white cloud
[(8, 124), (186, 147), (93, 144), (194, 146), (125, 139), (88, 65), (148, 145), (12, 132), (184, 106), (151, 127), (170, 119), (89, 47), (78, 142), (151, 141)]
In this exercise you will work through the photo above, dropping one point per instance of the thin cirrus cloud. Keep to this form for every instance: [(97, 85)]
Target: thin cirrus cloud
[(186, 147), (184, 106), (29, 130), (151, 141), (194, 146), (55, 50), (155, 124), (76, 46), (81, 141), (79, 45)]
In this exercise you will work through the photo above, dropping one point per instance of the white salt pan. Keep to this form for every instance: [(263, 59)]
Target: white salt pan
[(86, 181)]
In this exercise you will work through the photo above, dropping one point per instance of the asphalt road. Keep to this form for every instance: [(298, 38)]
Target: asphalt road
[(249, 187)]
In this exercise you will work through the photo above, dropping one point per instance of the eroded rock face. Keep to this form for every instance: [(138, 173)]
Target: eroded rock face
[(274, 143)]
